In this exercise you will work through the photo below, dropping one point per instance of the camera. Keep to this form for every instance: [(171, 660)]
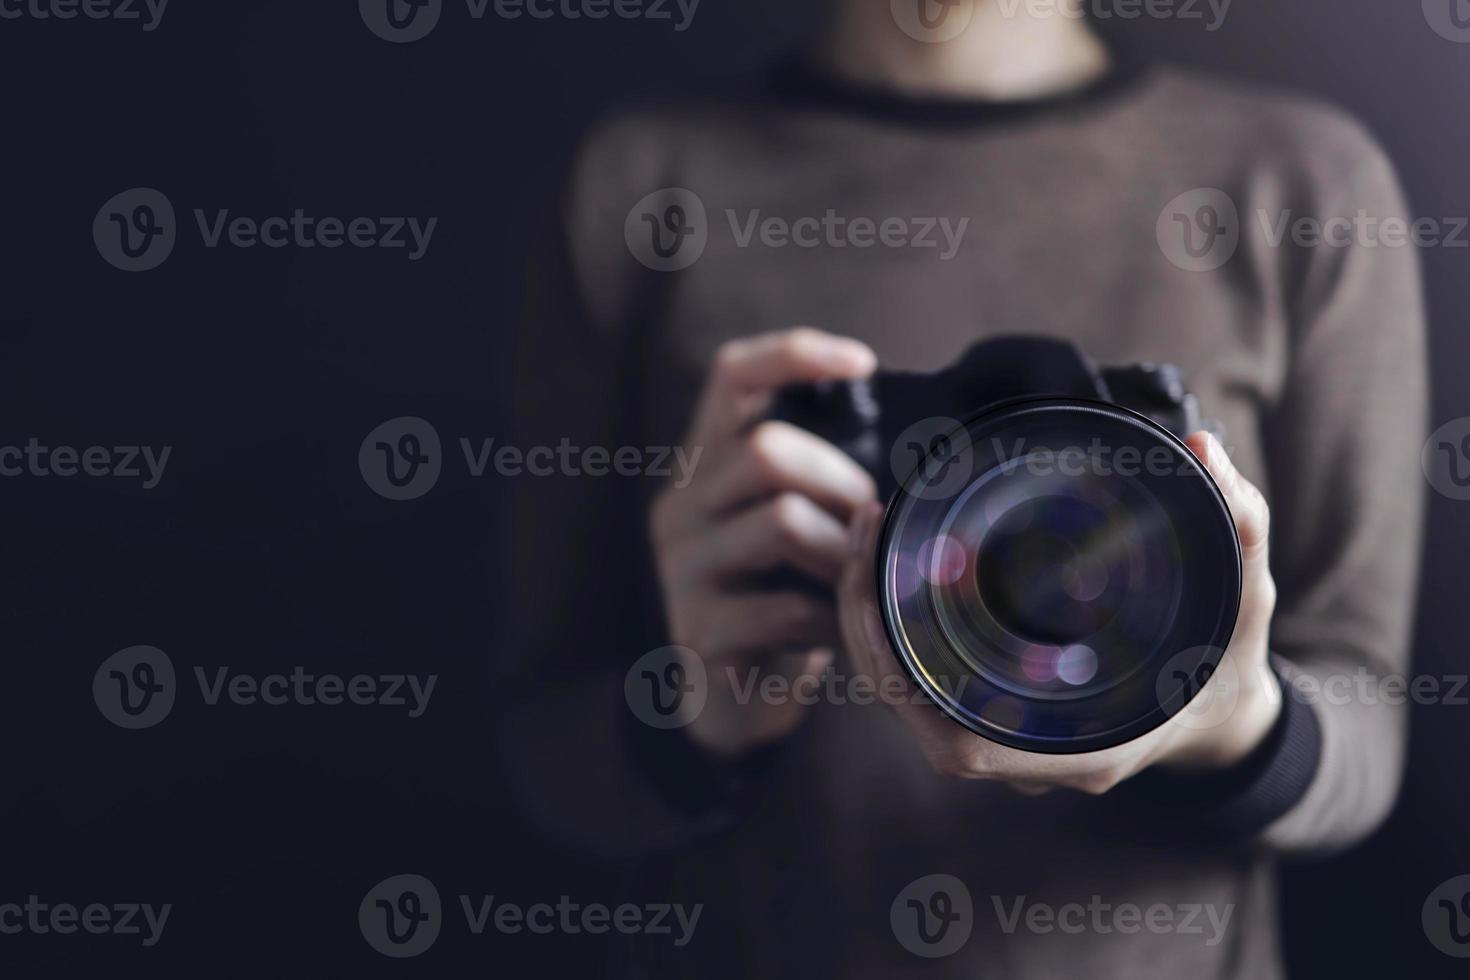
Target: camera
[(1056, 570)]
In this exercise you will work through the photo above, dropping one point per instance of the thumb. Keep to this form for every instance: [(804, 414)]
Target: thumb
[(1247, 505)]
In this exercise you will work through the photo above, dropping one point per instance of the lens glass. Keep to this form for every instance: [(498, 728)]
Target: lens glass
[(1039, 603)]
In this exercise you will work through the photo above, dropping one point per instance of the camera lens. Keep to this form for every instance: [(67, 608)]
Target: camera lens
[(1040, 603), (1046, 573)]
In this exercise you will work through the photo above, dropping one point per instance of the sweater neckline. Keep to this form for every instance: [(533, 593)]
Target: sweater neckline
[(800, 80)]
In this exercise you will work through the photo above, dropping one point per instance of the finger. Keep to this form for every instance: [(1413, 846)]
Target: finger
[(949, 748), (857, 602), (787, 530), (776, 457), (762, 624), (747, 371), (1247, 505)]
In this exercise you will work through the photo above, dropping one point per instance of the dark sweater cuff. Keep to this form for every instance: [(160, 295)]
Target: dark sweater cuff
[(704, 787), (1247, 798)]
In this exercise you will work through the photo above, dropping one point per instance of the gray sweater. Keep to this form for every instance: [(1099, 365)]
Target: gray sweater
[(1063, 217)]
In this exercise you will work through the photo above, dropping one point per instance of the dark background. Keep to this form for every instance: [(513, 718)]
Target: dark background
[(263, 548)]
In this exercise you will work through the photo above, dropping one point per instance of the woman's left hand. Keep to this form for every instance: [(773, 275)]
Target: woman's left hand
[(1229, 718)]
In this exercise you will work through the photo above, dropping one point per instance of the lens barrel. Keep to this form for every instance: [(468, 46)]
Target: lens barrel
[(1071, 590)]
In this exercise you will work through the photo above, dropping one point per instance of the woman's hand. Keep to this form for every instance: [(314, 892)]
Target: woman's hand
[(1227, 719), (769, 496)]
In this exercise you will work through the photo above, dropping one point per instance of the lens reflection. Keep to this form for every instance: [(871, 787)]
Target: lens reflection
[(1046, 596)]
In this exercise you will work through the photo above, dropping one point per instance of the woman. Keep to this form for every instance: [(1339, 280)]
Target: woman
[(1086, 196)]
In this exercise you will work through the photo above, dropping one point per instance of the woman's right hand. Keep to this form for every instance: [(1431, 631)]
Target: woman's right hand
[(769, 496)]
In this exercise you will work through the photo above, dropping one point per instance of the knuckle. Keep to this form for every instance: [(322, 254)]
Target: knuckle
[(1267, 590), (1263, 511), (726, 355), (764, 448), (971, 762), (798, 340), (788, 512), (804, 333), (1101, 782)]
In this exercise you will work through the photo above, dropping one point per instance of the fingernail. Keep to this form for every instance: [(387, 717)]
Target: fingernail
[(858, 354)]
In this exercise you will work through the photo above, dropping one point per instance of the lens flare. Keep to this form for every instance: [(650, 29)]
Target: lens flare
[(942, 560), (1040, 663), (1077, 664)]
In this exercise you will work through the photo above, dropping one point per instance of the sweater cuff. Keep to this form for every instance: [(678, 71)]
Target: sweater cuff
[(1247, 798), (711, 791)]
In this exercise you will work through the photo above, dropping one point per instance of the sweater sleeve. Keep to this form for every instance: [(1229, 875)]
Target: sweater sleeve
[(1342, 445), (575, 572), (1347, 501)]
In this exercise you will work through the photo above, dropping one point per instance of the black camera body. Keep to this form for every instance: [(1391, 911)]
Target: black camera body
[(866, 418), (1056, 569)]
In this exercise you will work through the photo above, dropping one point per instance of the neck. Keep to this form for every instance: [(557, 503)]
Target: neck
[(1008, 50)]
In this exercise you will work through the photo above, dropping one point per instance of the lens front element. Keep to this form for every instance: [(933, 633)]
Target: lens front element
[(1039, 603)]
